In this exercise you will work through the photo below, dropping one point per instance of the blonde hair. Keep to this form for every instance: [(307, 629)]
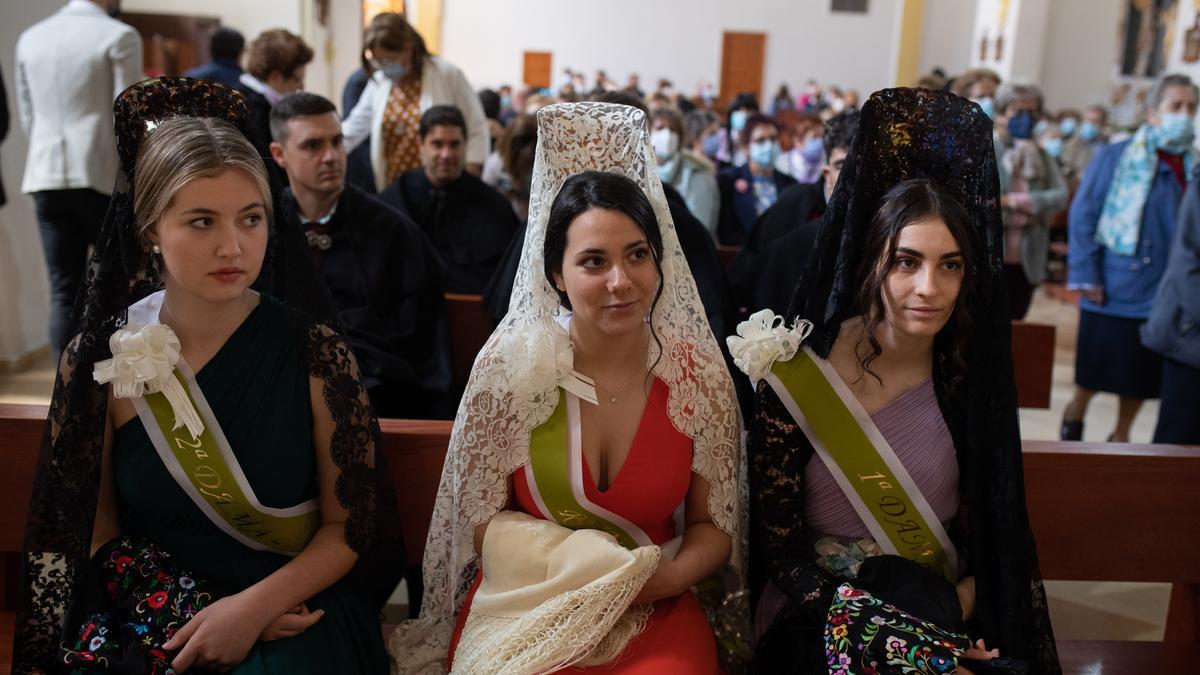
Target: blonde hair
[(182, 149)]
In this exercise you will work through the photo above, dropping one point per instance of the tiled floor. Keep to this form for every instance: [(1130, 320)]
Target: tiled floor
[(1080, 610)]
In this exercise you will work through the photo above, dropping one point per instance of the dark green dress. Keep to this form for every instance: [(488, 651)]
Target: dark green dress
[(258, 388)]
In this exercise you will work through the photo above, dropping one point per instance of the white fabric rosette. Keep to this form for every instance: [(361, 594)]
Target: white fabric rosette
[(762, 340), (143, 362)]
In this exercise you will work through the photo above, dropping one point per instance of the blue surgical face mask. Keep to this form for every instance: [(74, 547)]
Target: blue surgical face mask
[(505, 102), (988, 105), (1021, 125), (1052, 146), (737, 121), (1068, 126), (1175, 132), (812, 150), (392, 70), (764, 153), (1089, 132), (712, 144)]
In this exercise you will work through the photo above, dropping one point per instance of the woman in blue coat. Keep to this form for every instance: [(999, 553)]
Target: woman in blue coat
[(1122, 224)]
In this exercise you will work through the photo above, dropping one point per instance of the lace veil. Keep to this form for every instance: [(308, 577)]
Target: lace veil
[(121, 271), (513, 385), (919, 133)]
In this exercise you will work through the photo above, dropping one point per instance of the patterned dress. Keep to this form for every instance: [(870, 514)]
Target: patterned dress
[(401, 122)]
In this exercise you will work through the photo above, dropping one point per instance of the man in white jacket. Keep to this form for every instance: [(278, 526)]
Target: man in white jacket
[(70, 67)]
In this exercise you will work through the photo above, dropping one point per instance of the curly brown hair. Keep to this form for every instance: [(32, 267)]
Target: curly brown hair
[(279, 50), (906, 203)]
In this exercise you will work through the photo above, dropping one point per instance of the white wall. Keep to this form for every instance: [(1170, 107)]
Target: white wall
[(1079, 61), (946, 35), (24, 292), (677, 40)]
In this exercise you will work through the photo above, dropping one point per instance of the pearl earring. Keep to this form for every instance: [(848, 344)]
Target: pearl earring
[(156, 249)]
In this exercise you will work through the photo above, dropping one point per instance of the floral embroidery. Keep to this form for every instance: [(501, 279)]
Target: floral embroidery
[(865, 635), (144, 603)]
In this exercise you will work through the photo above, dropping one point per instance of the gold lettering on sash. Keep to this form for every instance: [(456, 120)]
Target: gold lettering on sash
[(892, 506), (222, 498), (883, 484), (904, 526), (207, 477), (570, 516), (184, 444)]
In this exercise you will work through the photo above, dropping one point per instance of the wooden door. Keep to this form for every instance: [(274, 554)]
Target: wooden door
[(538, 66), (173, 43), (743, 56)]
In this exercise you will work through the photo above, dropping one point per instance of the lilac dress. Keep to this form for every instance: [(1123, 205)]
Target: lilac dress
[(913, 426)]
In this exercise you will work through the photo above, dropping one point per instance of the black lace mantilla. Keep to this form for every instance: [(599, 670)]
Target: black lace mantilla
[(120, 272), (904, 134)]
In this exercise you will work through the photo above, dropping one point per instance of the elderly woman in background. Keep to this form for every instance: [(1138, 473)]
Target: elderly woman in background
[(275, 64), (1032, 192), (1121, 228), (748, 191), (689, 173), (406, 80)]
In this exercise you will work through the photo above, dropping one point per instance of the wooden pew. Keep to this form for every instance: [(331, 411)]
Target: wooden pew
[(1096, 509), (1032, 344), (470, 328), (1033, 363)]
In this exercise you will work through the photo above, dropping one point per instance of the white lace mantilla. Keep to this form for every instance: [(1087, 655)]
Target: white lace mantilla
[(513, 386)]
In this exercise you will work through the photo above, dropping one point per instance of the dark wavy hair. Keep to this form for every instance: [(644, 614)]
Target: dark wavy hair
[(904, 204), (600, 190)]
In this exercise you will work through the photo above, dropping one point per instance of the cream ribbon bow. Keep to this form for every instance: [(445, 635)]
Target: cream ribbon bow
[(762, 340), (143, 363)]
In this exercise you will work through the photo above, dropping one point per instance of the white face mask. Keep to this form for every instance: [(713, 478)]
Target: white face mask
[(665, 142)]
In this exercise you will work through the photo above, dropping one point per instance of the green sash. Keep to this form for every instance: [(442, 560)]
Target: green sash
[(862, 462), (208, 472), (554, 474)]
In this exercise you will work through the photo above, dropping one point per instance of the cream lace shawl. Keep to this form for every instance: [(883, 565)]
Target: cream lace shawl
[(513, 386)]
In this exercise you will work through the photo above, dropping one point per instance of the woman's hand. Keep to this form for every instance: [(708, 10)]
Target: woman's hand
[(663, 584), (966, 596), (1095, 295), (219, 636), (979, 652), (291, 623)]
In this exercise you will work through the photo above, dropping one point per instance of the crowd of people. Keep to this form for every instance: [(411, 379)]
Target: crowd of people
[(267, 279)]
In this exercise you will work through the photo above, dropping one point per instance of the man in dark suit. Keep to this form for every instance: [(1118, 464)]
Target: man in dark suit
[(469, 223), (225, 47), (382, 274)]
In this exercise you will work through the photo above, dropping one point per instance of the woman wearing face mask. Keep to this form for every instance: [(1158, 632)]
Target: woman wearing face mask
[(405, 82), (730, 150), (1032, 192), (748, 191), (1050, 139), (689, 173), (804, 161), (1121, 229), (1080, 146)]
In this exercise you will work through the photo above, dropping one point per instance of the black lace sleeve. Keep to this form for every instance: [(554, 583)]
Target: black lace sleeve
[(778, 452), (363, 485)]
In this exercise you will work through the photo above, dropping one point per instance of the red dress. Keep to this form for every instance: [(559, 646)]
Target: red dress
[(649, 488)]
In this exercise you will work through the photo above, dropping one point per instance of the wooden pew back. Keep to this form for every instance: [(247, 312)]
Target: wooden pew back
[(1032, 345)]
